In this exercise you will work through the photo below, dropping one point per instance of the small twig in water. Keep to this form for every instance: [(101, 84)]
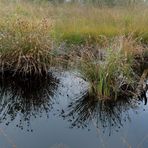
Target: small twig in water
[(7, 138), (125, 142)]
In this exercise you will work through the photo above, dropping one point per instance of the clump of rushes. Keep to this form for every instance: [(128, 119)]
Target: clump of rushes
[(25, 46), (112, 77)]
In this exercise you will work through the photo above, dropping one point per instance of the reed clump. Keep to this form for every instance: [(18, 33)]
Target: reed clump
[(113, 76), (25, 46)]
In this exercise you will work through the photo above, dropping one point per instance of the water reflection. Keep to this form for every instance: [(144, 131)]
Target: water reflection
[(25, 98), (107, 116)]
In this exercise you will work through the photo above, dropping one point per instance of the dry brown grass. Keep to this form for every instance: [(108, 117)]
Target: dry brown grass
[(26, 46)]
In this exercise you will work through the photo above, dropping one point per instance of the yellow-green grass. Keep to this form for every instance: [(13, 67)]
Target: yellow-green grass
[(78, 23), (91, 22)]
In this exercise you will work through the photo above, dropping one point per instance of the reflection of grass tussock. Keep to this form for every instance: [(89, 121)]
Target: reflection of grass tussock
[(26, 97), (108, 115)]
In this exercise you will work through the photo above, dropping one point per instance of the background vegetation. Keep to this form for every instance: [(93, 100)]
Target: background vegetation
[(77, 22)]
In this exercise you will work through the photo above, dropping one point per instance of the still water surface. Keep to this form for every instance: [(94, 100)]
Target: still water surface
[(56, 113)]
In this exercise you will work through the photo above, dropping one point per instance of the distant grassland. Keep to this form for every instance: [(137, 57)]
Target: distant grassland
[(75, 23)]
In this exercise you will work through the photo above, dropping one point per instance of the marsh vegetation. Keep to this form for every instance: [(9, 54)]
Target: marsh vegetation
[(105, 43), (80, 64)]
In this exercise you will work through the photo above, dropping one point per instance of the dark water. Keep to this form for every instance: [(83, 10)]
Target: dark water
[(57, 113)]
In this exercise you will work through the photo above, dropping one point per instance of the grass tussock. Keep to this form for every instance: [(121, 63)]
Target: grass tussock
[(25, 46), (113, 76)]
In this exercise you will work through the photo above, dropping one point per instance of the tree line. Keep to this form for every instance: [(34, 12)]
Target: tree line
[(102, 2)]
